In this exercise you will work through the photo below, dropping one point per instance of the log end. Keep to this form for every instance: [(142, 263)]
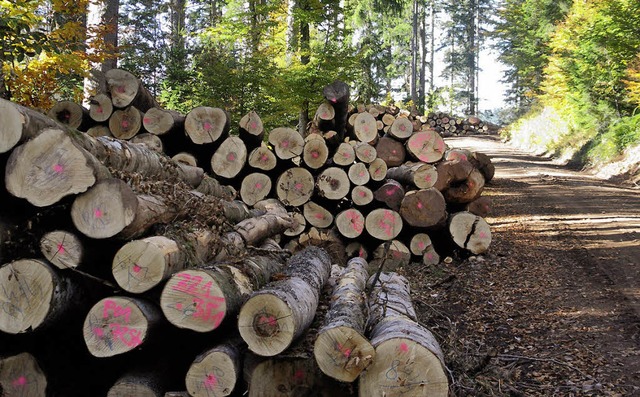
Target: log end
[(11, 123), (266, 324), (342, 353), (215, 374)]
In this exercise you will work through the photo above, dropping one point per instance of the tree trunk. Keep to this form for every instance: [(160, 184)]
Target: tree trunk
[(280, 312), (20, 375), (212, 187), (480, 206), (459, 181), (324, 117), (100, 107), (282, 376), (152, 142), (145, 384), (401, 129), (34, 296), (409, 361), (161, 122), (391, 193), (423, 208), (470, 232), (118, 324), (337, 93), (127, 90), (216, 371), (341, 349)]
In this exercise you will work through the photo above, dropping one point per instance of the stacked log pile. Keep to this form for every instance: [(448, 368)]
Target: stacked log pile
[(449, 125), (136, 226)]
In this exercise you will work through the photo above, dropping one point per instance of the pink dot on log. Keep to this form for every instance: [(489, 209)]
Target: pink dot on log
[(428, 178), (299, 375), (319, 216), (206, 125), (429, 256), (61, 249), (20, 381), (146, 120), (99, 332), (361, 173), (231, 157), (419, 205), (421, 245), (264, 157), (120, 89), (58, 168), (124, 124), (99, 110), (394, 151), (334, 100), (347, 353), (284, 143), (298, 186), (315, 154), (179, 306), (362, 193), (258, 185), (211, 381), (404, 348), (97, 213), (390, 191), (403, 128), (253, 125), (483, 235), (136, 268)]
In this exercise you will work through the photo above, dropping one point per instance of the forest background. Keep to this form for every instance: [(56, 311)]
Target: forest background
[(572, 68)]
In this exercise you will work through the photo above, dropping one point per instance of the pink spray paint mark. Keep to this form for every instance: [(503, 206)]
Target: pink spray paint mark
[(21, 381), (97, 213), (404, 348), (120, 89), (136, 268), (179, 306), (361, 173), (362, 193), (299, 375), (58, 168), (394, 151), (99, 110), (258, 185), (61, 249), (390, 191), (427, 178), (206, 125), (231, 157), (99, 332), (284, 144), (421, 245), (315, 154), (264, 157), (211, 381), (429, 256), (146, 120), (254, 125), (483, 235), (298, 186), (124, 124), (419, 205), (319, 216)]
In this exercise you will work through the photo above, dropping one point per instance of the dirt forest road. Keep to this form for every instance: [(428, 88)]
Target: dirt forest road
[(553, 308)]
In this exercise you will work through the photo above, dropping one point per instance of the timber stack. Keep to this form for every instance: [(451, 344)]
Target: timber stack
[(170, 249)]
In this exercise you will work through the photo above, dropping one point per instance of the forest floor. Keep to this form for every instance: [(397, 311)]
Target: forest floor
[(553, 309)]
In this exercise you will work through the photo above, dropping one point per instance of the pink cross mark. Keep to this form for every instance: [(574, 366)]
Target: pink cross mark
[(284, 144), (99, 332), (315, 154)]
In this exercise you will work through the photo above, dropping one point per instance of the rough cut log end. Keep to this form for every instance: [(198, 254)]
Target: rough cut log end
[(287, 142), (62, 248), (343, 353), (470, 232), (69, 113), (48, 168), (215, 372), (266, 324), (20, 375), (383, 224), (206, 124), (100, 107), (295, 186), (229, 158)]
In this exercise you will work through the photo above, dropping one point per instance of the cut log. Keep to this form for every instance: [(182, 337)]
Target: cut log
[(383, 224), (388, 119), (344, 155), (378, 169), (205, 124), (99, 130), (272, 318), (341, 349), (20, 375), (71, 114), (324, 117), (316, 215), (337, 93), (216, 371), (419, 243), (391, 151), (212, 187), (19, 124), (139, 384), (262, 158), (300, 224), (160, 121), (127, 90), (185, 158), (457, 154), (423, 208), (295, 186), (315, 153), (426, 146), (390, 255), (62, 248), (251, 128), (483, 163), (480, 206), (100, 107), (287, 143), (152, 142), (333, 183), (359, 174), (365, 127), (361, 195), (49, 167), (118, 324), (201, 299), (33, 296), (282, 376), (459, 181), (409, 361), (229, 159), (365, 152), (356, 249), (350, 223), (420, 175), (391, 193), (401, 129), (470, 232), (255, 187)]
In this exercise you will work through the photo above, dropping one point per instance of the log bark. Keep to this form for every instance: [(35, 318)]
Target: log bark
[(470, 232), (215, 372), (99, 130), (19, 124), (300, 224), (481, 206), (118, 324), (139, 384), (420, 175), (212, 187), (127, 90), (423, 208), (483, 163), (295, 186), (391, 193), (350, 223), (409, 361), (341, 349), (229, 159), (262, 158), (33, 295), (205, 124), (337, 93), (383, 224), (324, 117), (287, 142), (282, 376), (72, 114), (272, 318), (255, 187), (20, 375), (100, 107), (391, 151), (152, 142), (426, 146), (333, 183)]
